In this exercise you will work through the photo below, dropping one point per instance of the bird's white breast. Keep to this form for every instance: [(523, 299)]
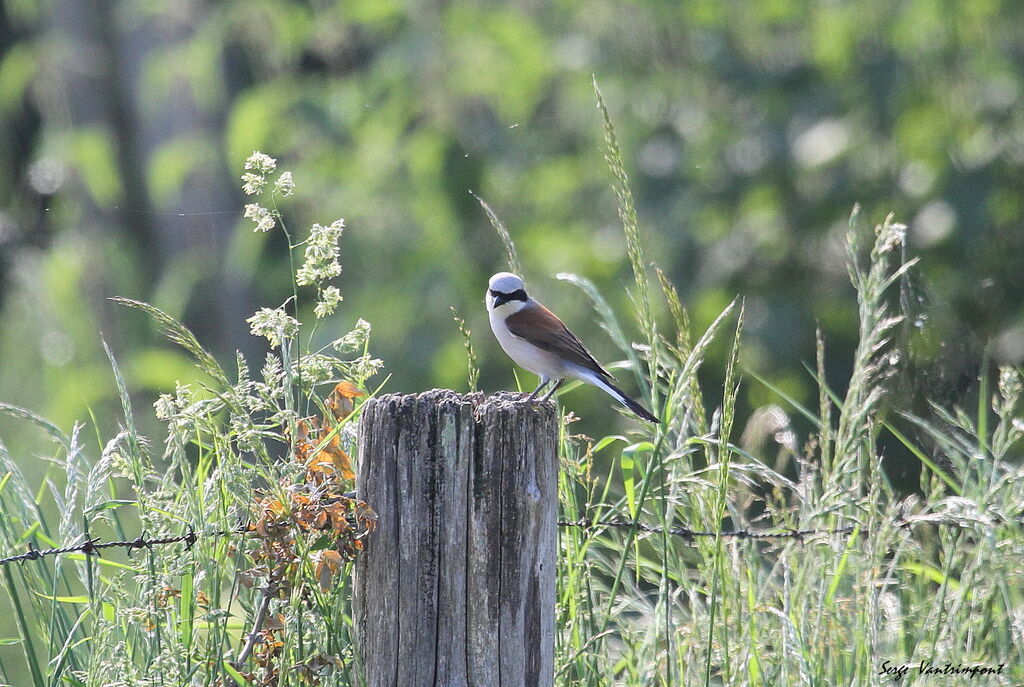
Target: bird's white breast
[(522, 352)]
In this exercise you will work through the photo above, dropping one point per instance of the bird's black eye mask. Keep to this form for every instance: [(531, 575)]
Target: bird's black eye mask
[(502, 298)]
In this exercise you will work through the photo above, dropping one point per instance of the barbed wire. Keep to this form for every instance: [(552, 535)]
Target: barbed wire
[(788, 533), (93, 546), (687, 533)]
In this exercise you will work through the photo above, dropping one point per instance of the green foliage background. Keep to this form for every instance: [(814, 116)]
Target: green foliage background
[(750, 130)]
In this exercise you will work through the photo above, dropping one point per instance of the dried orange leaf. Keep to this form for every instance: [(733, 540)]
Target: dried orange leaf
[(324, 576), (333, 559), (348, 390), (340, 400), (341, 460)]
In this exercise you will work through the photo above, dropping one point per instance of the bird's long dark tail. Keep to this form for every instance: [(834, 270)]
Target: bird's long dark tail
[(620, 396)]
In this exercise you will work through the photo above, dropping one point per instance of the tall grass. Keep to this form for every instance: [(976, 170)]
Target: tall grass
[(924, 580), (265, 450), (935, 577)]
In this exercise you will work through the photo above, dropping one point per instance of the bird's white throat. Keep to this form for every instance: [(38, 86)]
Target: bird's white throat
[(505, 309)]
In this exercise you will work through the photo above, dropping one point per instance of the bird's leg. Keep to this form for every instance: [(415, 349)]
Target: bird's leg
[(543, 383), (551, 391)]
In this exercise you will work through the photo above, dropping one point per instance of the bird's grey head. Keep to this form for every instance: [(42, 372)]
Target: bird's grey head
[(505, 287)]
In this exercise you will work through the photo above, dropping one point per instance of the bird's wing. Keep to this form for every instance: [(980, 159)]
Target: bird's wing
[(543, 329)]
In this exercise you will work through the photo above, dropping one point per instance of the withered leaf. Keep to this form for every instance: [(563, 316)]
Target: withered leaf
[(340, 401)]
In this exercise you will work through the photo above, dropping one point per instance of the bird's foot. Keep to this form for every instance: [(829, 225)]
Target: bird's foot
[(551, 391), (533, 394)]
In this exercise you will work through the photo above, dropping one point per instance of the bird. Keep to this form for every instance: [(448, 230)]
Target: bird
[(538, 341)]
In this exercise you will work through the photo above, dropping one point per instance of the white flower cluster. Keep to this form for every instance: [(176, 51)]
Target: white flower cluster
[(252, 184), (284, 184), (258, 168), (274, 324), (315, 368), (328, 302), (261, 163), (263, 217), (320, 265), (355, 340), (182, 409), (321, 254)]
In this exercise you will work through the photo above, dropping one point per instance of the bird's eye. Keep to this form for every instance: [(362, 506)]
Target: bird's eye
[(503, 298)]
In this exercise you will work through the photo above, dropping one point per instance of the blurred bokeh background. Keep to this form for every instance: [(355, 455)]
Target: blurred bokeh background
[(749, 130)]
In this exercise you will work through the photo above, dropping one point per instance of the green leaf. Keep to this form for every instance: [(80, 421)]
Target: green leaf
[(111, 505), (187, 608), (627, 462), (931, 573), (607, 441), (923, 457), (81, 599), (34, 531), (322, 543), (235, 675), (841, 568), (104, 562), (799, 407)]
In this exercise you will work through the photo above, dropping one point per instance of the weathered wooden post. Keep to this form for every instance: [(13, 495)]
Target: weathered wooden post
[(456, 586)]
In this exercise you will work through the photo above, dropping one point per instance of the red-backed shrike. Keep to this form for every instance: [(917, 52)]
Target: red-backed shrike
[(538, 341)]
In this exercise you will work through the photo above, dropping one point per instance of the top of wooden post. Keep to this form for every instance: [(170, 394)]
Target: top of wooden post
[(499, 403)]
